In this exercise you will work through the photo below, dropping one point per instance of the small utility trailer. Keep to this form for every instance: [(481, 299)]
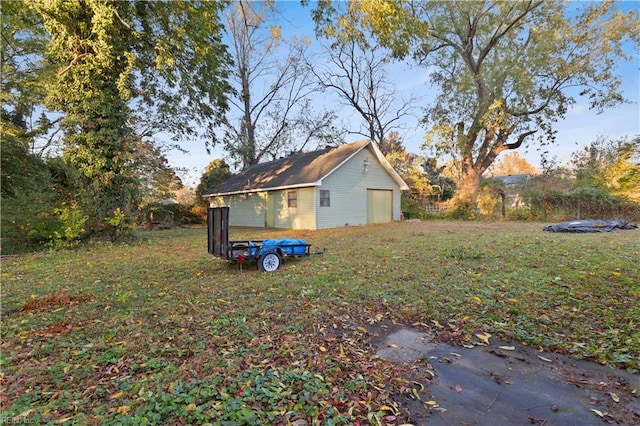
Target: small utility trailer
[(269, 254)]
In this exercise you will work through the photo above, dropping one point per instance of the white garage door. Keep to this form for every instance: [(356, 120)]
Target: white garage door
[(379, 205)]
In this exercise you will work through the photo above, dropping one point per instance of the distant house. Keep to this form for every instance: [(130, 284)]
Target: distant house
[(351, 184), (511, 183), (510, 180), (168, 202)]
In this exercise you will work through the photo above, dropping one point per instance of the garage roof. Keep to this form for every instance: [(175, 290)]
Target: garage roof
[(298, 170)]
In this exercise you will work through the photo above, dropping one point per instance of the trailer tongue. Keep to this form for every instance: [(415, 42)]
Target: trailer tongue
[(269, 254)]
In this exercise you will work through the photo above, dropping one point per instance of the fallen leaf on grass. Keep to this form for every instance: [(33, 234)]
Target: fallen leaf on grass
[(24, 414), (615, 397), (415, 393), (597, 412), (123, 410), (388, 408), (420, 385), (117, 395), (544, 359), (507, 348), (55, 395), (484, 337)]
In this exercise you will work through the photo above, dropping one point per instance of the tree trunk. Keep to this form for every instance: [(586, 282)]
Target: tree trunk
[(469, 187)]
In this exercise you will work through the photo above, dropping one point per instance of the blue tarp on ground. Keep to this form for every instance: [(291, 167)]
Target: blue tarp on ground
[(582, 226)]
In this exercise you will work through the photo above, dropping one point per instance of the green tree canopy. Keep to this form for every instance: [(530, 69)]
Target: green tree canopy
[(214, 174), (612, 165), (158, 181), (116, 71), (505, 69)]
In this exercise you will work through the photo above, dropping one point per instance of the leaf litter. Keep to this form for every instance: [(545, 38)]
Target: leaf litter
[(203, 337)]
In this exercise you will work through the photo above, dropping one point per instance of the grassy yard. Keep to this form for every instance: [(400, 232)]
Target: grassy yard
[(161, 332)]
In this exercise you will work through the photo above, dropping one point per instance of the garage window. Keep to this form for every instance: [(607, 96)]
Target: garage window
[(325, 198), (292, 199)]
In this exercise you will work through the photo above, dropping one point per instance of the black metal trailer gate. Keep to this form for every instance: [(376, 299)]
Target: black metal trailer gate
[(218, 231)]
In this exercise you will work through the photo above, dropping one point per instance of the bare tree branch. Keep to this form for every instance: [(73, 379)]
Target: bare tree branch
[(360, 80)]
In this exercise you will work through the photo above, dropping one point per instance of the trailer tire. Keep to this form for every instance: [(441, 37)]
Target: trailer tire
[(269, 262)]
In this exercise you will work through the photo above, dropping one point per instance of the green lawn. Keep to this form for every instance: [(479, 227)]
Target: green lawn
[(160, 331)]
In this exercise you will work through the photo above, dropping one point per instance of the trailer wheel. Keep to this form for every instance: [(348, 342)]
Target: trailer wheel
[(269, 262)]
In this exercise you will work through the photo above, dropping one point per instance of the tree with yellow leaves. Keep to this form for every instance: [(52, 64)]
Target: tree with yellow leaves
[(506, 70)]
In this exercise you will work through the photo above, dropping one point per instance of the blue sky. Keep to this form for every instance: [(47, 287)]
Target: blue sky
[(580, 127)]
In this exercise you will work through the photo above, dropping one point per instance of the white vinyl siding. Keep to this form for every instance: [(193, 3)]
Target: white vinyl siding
[(270, 209), (348, 185), (245, 209), (270, 202), (300, 217)]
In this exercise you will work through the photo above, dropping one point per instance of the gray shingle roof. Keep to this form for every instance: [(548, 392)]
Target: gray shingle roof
[(512, 179), (297, 170)]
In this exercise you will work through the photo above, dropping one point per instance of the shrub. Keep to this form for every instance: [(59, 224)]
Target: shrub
[(28, 223), (61, 228), (489, 204), (462, 211), (578, 203), (172, 214), (119, 225), (520, 213), (72, 220), (411, 208), (198, 212)]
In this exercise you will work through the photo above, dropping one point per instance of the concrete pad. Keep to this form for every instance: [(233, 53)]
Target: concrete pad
[(405, 345), (487, 385)]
